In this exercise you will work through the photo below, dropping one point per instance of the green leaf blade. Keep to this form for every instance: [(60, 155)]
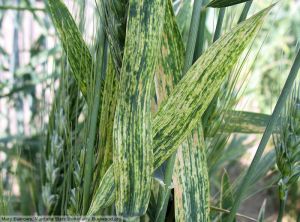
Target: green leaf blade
[(190, 98), (133, 153), (78, 54), (225, 3), (191, 183)]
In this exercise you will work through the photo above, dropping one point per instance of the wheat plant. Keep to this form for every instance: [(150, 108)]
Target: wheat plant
[(141, 120)]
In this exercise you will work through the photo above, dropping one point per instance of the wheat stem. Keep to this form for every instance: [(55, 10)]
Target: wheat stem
[(190, 49), (219, 24), (89, 161), (245, 11)]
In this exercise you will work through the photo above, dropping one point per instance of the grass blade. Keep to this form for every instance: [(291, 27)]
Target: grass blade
[(218, 30), (261, 215), (105, 193), (191, 181), (133, 154), (168, 74), (92, 132), (108, 108), (271, 124), (114, 17), (192, 35), (226, 194), (225, 3), (199, 48), (18, 8), (244, 122), (78, 54)]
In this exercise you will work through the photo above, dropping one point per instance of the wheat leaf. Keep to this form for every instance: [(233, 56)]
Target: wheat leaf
[(78, 54), (114, 17), (192, 95), (132, 153), (191, 183), (105, 193), (226, 195), (261, 215), (244, 122), (225, 3), (108, 107)]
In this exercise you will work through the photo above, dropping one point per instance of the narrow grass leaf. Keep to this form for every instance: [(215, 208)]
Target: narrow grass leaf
[(226, 195), (245, 11), (191, 183), (108, 107), (168, 74), (244, 122), (133, 153), (78, 54), (225, 3), (92, 132), (261, 215), (105, 193), (219, 25), (190, 49), (114, 17)]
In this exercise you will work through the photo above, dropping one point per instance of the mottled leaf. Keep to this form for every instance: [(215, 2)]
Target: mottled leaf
[(78, 54), (114, 17), (191, 183), (133, 153), (108, 107), (180, 114)]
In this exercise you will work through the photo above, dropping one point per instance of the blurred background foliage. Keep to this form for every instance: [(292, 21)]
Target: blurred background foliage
[(32, 66)]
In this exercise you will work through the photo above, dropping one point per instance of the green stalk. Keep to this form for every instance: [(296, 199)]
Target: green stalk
[(219, 24), (269, 129), (281, 210), (282, 202), (245, 11), (89, 161), (164, 192), (190, 49), (199, 47)]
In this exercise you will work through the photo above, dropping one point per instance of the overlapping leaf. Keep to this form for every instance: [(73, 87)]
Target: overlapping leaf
[(190, 98), (78, 54), (133, 153), (191, 183), (225, 3), (114, 17), (183, 109)]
